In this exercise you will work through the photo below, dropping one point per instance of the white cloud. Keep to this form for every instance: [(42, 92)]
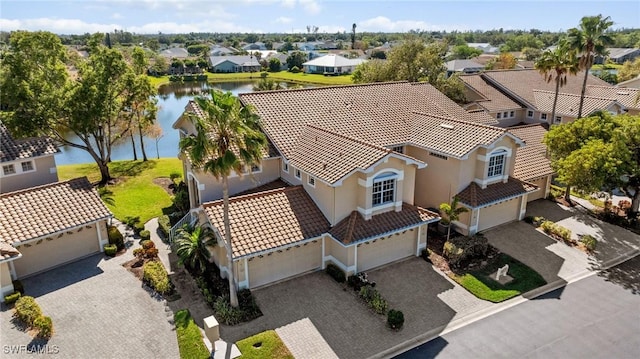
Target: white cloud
[(288, 3), (283, 20), (384, 24), (116, 15), (310, 6)]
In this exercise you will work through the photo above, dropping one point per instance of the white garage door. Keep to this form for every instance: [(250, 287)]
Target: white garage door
[(278, 266), (386, 251), (52, 252), (498, 214)]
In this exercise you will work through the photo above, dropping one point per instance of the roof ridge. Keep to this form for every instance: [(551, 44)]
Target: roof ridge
[(251, 94), (352, 223), (575, 95), (463, 121), (354, 139), (252, 195), (46, 185), (525, 126)]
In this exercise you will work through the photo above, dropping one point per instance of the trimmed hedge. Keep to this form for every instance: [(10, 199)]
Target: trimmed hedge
[(115, 237), (374, 299), (395, 319), (552, 228), (110, 250), (157, 277), (44, 325), (589, 242), (28, 310), (336, 273), (164, 224), (145, 235), (12, 298)]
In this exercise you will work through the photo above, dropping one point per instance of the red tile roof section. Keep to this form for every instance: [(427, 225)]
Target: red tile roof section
[(475, 196), (531, 160)]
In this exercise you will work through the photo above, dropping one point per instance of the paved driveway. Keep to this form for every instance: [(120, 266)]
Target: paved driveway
[(99, 310)]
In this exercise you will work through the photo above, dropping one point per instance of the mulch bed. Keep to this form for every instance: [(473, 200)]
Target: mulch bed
[(166, 183), (436, 257)]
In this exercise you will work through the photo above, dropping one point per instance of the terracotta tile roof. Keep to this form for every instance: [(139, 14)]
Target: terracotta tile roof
[(7, 252), (355, 228), (481, 116), (270, 219), (494, 100), (474, 196), (531, 160), (330, 156), (626, 96), (522, 83), (11, 150), (375, 113), (451, 137), (568, 104), (42, 210)]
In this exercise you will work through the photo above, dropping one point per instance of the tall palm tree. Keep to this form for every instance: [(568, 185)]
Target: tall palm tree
[(453, 212), (555, 65), (191, 246), (590, 40), (228, 137)]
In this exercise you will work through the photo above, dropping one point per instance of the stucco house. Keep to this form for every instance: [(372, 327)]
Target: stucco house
[(463, 66), (349, 176), (238, 63), (512, 97), (332, 64)]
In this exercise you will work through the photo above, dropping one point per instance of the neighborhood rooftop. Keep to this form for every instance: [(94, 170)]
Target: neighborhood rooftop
[(476, 197), (11, 150), (47, 209), (569, 103), (531, 160)]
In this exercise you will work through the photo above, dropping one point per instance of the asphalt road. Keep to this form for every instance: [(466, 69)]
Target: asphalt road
[(596, 317)]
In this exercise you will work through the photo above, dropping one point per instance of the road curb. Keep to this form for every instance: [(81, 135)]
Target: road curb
[(486, 312)]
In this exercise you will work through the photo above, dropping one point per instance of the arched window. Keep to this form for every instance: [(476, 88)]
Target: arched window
[(384, 188), (496, 163)]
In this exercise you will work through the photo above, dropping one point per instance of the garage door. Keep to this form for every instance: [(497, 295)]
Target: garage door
[(386, 251), (541, 183), (498, 214), (278, 266), (51, 252)]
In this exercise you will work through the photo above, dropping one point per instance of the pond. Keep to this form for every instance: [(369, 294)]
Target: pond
[(172, 99)]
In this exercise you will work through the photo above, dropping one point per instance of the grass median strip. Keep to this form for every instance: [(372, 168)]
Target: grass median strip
[(264, 345), (190, 340)]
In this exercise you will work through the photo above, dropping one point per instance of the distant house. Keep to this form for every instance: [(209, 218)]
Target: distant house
[(175, 53), (280, 56), (463, 66), (217, 50), (484, 46), (255, 46), (619, 55), (332, 64), (240, 63), (633, 83)]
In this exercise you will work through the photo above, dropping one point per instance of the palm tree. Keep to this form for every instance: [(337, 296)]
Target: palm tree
[(228, 137), (556, 65), (453, 212), (191, 246), (590, 40)]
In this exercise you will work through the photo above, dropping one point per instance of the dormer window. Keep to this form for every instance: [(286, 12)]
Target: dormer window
[(8, 169), (384, 189), (496, 163), (27, 166)]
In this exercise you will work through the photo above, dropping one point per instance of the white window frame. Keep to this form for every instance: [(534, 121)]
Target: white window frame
[(311, 181), (504, 114), (297, 173), (529, 113), (492, 168), (258, 168), (512, 114), (543, 116), (30, 164), (499, 115), (285, 167), (380, 181), (10, 172)]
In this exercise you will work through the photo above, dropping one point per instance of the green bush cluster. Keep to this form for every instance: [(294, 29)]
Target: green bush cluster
[(459, 249), (115, 237), (165, 225), (110, 250), (395, 319), (145, 235), (135, 224), (156, 276), (148, 250), (374, 299), (554, 229), (336, 273), (44, 325), (226, 313), (589, 242), (12, 298), (29, 312), (295, 69)]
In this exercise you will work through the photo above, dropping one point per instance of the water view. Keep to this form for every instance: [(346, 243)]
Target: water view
[(172, 99)]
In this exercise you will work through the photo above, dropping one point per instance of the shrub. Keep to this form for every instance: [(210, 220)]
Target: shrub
[(336, 273), (225, 312), (151, 253), (115, 237), (547, 227), (373, 298), (145, 235), (589, 242), (138, 252), (135, 224), (44, 325), (157, 277), (395, 319), (27, 310), (359, 280), (12, 298), (459, 249), (17, 286), (553, 229), (146, 244), (164, 224), (111, 250), (295, 69)]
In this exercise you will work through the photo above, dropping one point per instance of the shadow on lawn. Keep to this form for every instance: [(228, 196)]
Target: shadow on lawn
[(130, 168)]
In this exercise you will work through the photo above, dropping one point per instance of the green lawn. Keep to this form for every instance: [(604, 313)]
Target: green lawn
[(263, 345), (482, 286), (287, 76), (135, 194), (189, 338)]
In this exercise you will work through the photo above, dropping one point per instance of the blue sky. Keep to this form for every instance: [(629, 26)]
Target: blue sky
[(183, 16)]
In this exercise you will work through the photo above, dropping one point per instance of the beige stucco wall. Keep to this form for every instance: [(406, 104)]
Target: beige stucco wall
[(45, 172), (504, 212), (438, 182), (323, 195), (44, 254), (348, 197), (543, 184), (6, 287)]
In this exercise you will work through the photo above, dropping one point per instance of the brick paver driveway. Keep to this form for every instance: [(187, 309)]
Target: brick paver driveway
[(99, 310)]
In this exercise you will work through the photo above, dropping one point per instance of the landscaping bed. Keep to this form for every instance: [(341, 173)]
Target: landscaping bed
[(587, 243), (264, 345), (147, 267)]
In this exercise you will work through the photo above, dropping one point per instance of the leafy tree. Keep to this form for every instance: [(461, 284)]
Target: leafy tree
[(629, 70), (160, 66), (531, 54), (464, 52), (372, 71), (589, 40), (505, 61), (198, 49), (453, 212), (296, 59), (555, 65), (274, 64), (287, 46), (191, 246), (378, 54), (227, 138)]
